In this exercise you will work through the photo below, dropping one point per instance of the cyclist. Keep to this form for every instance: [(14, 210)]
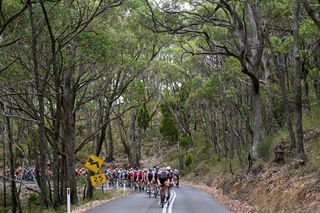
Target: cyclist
[(131, 177), (140, 179), (176, 176), (169, 181), (155, 181), (149, 179), (135, 177), (162, 181)]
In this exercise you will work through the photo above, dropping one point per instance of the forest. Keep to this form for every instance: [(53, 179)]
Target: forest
[(131, 79)]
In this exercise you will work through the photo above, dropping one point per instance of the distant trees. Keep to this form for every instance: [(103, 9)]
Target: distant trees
[(226, 38), (79, 75)]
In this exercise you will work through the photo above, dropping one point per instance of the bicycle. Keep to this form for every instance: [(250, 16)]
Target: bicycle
[(148, 190), (156, 191)]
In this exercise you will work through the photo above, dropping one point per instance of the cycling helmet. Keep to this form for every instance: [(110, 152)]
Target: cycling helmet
[(168, 168)]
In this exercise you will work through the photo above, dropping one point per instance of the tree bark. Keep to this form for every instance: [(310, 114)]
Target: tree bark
[(313, 14), (69, 114), (2, 136), (297, 80), (279, 65), (56, 113), (41, 117), (271, 121), (15, 204), (127, 147), (133, 142), (316, 79), (110, 142), (139, 144), (258, 130), (253, 71)]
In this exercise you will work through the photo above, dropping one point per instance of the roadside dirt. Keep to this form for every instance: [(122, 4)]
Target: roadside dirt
[(278, 189), (116, 194)]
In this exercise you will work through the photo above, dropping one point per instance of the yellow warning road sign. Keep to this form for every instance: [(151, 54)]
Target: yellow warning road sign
[(98, 179), (94, 163)]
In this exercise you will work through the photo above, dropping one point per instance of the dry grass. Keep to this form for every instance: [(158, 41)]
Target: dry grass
[(275, 189)]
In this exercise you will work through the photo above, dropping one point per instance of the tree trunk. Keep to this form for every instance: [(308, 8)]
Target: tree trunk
[(100, 141), (214, 129), (139, 144), (15, 204), (297, 85), (316, 79), (180, 156), (56, 146), (225, 133), (258, 130), (110, 142), (284, 94), (69, 114), (314, 14), (2, 136), (133, 142), (271, 121), (41, 117), (250, 59), (127, 147)]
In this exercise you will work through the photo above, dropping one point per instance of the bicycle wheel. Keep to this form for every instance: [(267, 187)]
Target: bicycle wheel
[(162, 201)]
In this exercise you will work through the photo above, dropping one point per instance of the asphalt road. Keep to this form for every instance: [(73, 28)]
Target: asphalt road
[(185, 199)]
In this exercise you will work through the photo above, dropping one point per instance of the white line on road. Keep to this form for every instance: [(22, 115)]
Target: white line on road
[(172, 201), (166, 208)]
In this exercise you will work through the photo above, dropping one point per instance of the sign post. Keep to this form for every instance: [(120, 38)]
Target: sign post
[(68, 201)]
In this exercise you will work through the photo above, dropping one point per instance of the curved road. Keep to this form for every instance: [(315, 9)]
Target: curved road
[(185, 199)]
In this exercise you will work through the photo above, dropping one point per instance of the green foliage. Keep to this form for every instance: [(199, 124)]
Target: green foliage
[(135, 92), (314, 156), (184, 141), (168, 128), (308, 30), (14, 72), (82, 181), (143, 117), (265, 148), (98, 44), (4, 210), (33, 199), (281, 45), (188, 161)]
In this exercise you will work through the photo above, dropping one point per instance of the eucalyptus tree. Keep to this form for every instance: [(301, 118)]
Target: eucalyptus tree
[(9, 13), (313, 9), (61, 22), (240, 27)]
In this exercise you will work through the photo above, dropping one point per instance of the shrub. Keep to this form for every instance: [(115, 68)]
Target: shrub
[(265, 148), (188, 161)]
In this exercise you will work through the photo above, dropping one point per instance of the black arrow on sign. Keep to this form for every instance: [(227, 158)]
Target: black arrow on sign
[(92, 162)]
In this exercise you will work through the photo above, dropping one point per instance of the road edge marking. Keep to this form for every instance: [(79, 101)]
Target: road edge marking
[(172, 201)]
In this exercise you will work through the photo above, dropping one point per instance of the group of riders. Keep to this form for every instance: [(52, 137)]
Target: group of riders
[(154, 181)]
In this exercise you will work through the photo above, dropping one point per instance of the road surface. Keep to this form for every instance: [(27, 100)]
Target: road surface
[(185, 199)]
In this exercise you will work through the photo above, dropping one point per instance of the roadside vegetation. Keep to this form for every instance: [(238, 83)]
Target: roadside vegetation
[(227, 89)]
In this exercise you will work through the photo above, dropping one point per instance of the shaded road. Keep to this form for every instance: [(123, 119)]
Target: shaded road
[(186, 199)]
